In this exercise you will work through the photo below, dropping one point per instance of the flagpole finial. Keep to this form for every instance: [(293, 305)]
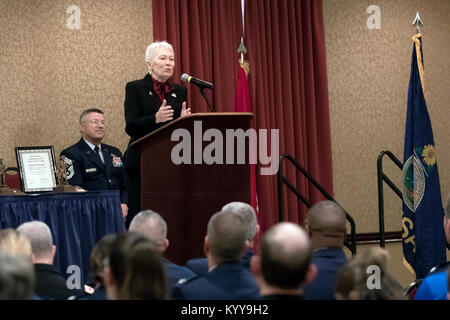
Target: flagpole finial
[(417, 22), (241, 50)]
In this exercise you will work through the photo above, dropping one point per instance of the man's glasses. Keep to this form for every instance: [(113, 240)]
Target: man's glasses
[(96, 122)]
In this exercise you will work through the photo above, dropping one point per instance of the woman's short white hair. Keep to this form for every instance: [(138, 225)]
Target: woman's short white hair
[(155, 48)]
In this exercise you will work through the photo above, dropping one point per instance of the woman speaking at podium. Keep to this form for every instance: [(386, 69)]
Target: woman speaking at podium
[(150, 103)]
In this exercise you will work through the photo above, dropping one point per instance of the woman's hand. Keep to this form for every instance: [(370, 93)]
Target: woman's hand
[(185, 112), (165, 113)]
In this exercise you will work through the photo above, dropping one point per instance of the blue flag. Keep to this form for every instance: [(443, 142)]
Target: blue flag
[(422, 220)]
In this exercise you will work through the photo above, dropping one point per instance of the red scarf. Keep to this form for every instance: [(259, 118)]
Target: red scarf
[(161, 88)]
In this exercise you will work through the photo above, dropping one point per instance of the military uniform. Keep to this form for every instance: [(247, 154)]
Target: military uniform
[(89, 172), (227, 281)]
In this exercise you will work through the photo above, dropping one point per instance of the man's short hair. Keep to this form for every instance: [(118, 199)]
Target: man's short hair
[(86, 112), (16, 277), (226, 236), (39, 235), (286, 254), (327, 218), (247, 212), (151, 225)]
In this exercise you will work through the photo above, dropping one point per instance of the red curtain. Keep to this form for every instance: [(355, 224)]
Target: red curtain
[(287, 80), (205, 35), (289, 92)]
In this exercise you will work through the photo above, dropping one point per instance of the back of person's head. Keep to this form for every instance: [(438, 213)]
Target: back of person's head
[(226, 236), (326, 224), (247, 213), (16, 277), (365, 277), (152, 226), (40, 237), (286, 255), (144, 277), (101, 251), (123, 269), (14, 243)]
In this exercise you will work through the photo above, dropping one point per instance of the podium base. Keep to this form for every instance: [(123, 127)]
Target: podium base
[(67, 188), (10, 192)]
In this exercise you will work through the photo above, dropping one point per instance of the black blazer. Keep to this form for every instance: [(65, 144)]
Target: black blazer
[(51, 285), (141, 105), (88, 171)]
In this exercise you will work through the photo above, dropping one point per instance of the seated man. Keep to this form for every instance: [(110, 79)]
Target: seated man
[(325, 225), (284, 264), (152, 226), (95, 165), (49, 282), (246, 211), (227, 279)]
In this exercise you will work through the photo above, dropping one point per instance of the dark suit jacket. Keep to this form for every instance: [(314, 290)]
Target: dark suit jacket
[(200, 265), (328, 262), (176, 273), (227, 281), (51, 285), (141, 105), (91, 174)]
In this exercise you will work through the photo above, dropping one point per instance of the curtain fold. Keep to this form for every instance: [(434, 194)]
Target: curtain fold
[(205, 35), (288, 79)]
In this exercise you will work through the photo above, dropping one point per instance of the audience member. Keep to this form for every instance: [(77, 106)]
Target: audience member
[(101, 250), (14, 243), (134, 270), (365, 277), (16, 277), (224, 246), (448, 283), (325, 225), (16, 269), (152, 226), (200, 265), (434, 285), (284, 264), (49, 282)]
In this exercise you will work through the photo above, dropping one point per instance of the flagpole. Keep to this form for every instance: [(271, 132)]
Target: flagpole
[(417, 23)]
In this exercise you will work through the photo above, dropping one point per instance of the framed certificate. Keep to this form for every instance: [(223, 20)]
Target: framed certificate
[(36, 168)]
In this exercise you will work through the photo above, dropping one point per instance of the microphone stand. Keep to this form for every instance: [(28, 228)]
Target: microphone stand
[(202, 92)]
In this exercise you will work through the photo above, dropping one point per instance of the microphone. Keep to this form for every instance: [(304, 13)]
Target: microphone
[(199, 83)]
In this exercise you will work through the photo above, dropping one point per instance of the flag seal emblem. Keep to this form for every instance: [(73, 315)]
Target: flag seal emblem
[(413, 183)]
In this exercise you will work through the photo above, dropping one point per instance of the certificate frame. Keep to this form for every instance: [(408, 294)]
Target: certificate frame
[(37, 168)]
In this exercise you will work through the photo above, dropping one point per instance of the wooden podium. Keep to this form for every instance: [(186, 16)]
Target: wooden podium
[(187, 195)]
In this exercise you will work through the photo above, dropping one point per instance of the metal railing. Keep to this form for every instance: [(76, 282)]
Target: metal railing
[(282, 180), (381, 177)]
